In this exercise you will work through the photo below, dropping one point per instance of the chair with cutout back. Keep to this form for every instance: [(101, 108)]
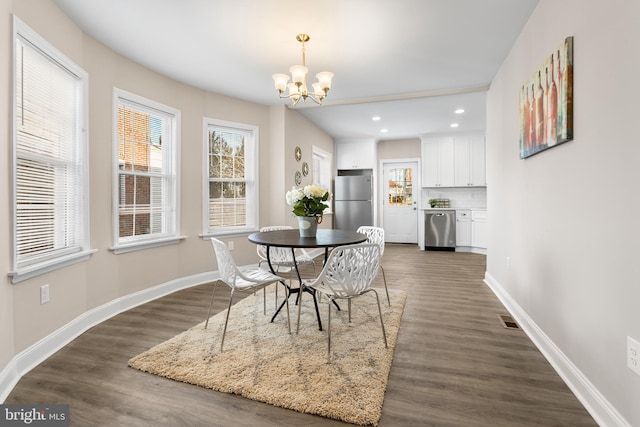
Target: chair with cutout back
[(281, 258), (376, 235), (248, 279), (348, 274)]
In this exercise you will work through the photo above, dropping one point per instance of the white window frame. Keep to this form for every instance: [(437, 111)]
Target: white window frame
[(251, 133), (171, 162), (79, 251), (321, 169)]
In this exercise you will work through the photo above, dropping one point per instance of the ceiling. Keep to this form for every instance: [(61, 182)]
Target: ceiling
[(410, 62)]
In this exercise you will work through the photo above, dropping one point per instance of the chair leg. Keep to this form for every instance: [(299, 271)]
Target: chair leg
[(299, 308), (329, 334), (349, 308), (385, 286), (215, 285), (286, 294), (226, 321), (384, 334)]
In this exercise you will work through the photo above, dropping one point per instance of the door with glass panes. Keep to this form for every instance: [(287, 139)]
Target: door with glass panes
[(400, 203)]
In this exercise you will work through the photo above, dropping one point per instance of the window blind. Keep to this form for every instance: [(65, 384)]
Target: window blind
[(227, 181), (48, 161), (146, 176)]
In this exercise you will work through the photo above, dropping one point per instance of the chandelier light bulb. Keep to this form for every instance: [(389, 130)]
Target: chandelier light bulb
[(298, 74), (324, 78), (294, 90), (281, 81), (318, 90)]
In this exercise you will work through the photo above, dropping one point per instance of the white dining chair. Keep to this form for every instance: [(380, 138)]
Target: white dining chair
[(247, 279), (376, 235), (348, 274), (282, 258)]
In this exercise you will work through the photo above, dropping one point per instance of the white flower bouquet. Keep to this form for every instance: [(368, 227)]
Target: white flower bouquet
[(308, 201)]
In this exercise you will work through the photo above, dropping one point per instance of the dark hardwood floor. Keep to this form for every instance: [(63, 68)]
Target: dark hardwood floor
[(454, 364)]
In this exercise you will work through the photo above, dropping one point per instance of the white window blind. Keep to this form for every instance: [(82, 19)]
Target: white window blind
[(230, 170), (146, 188), (50, 214)]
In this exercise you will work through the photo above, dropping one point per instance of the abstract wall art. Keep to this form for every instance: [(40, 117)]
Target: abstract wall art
[(546, 103)]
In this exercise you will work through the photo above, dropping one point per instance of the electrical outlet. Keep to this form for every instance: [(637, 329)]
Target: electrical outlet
[(230, 245), (633, 355), (44, 294), (508, 263)]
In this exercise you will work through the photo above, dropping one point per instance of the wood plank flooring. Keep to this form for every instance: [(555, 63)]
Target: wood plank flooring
[(454, 364)]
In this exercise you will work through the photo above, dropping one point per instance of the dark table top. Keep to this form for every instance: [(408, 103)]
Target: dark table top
[(325, 238)]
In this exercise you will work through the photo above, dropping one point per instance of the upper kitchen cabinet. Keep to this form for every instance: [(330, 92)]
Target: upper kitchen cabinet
[(470, 169), (355, 154), (454, 161), (438, 162)]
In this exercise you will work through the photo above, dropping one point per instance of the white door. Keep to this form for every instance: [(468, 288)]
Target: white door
[(399, 202)]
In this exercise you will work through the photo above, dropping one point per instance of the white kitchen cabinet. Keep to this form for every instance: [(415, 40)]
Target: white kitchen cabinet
[(463, 227), (438, 162), (478, 162), (355, 155), (479, 230), (470, 169)]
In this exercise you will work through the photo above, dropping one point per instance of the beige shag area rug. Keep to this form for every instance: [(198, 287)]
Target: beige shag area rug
[(263, 362)]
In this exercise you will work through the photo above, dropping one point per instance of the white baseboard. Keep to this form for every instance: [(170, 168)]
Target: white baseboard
[(472, 249), (31, 357), (595, 403)]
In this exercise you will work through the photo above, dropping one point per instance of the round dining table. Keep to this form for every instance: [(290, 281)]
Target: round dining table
[(325, 238)]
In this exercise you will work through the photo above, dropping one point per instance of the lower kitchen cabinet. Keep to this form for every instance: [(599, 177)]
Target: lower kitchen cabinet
[(479, 229), (471, 230), (463, 227)]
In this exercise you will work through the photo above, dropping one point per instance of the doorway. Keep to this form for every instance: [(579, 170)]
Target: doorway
[(400, 199)]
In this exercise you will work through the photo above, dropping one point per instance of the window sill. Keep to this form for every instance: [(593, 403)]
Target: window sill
[(229, 233), (51, 265), (147, 244)]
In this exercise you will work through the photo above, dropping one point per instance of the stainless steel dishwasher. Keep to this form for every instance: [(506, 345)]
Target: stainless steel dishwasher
[(440, 230)]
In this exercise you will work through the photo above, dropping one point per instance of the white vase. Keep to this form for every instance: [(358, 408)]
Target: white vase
[(308, 225)]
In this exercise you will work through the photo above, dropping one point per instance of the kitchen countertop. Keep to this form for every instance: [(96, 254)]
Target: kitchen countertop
[(453, 209)]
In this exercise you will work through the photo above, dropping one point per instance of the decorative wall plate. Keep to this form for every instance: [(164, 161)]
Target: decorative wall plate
[(298, 154), (298, 178), (305, 169)]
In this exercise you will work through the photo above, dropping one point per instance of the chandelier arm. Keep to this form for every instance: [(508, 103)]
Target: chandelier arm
[(304, 97)]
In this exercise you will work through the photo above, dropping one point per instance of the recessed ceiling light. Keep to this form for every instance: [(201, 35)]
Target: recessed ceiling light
[(384, 130), (375, 118), (454, 125), (459, 111)]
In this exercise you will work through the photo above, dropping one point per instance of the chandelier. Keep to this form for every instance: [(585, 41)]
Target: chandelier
[(298, 88)]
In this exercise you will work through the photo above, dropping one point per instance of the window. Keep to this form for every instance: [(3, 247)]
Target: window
[(400, 185), (321, 168), (146, 188), (50, 202), (231, 196)]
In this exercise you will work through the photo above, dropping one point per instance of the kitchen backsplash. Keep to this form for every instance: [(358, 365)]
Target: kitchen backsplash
[(472, 198)]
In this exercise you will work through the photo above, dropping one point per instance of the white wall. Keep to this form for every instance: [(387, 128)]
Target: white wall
[(300, 132), (565, 216)]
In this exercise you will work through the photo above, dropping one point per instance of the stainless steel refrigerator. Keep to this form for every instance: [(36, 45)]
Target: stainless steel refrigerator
[(353, 202)]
